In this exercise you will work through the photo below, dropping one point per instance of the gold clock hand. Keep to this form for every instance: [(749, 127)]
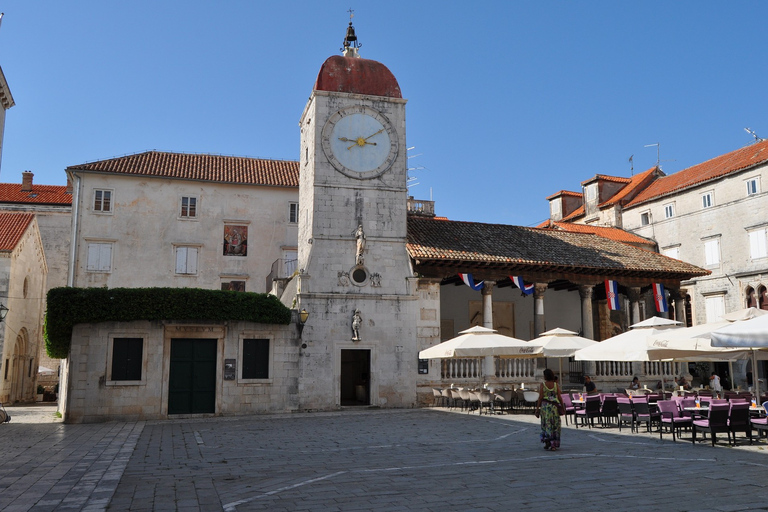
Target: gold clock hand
[(378, 132)]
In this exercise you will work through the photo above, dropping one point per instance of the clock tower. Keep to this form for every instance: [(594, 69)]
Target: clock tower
[(355, 279)]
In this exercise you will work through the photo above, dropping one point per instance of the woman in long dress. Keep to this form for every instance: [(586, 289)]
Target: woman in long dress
[(547, 410)]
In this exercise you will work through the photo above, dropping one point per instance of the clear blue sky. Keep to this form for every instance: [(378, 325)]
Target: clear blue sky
[(509, 102)]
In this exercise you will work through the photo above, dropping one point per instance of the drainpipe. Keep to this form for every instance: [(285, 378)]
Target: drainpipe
[(75, 228)]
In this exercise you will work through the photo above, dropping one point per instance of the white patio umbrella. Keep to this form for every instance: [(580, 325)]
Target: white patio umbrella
[(628, 346), (44, 370), (751, 334), (480, 342), (561, 343), (695, 344)]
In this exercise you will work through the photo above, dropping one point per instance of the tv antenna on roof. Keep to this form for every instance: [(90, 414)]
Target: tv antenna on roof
[(658, 152), (752, 133)]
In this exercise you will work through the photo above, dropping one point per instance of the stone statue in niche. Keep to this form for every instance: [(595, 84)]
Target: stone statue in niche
[(360, 236), (357, 322)]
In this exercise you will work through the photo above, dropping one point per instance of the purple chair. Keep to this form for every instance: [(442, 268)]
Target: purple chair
[(761, 424), (716, 422), (590, 411), (671, 417), (643, 413), (687, 402), (626, 413), (570, 410), (738, 421), (609, 410)]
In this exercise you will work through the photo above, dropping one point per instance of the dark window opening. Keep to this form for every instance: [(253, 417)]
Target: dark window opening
[(255, 359), (127, 358)]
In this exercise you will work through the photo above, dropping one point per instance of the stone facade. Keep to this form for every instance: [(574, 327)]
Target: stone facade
[(727, 222), (337, 277), (92, 395), (23, 274), (145, 230)]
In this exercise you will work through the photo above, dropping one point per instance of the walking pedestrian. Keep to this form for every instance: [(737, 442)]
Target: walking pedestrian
[(548, 409)]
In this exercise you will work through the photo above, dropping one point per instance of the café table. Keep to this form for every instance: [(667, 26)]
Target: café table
[(699, 412)]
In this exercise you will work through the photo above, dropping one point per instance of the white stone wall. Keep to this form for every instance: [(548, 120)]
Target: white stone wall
[(90, 397), (332, 206), (23, 325), (145, 228), (732, 213)]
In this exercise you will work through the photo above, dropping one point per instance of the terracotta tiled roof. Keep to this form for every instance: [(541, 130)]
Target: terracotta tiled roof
[(607, 232), (635, 186), (564, 193), (12, 226), (441, 248), (720, 166), (40, 194), (605, 177), (217, 168)]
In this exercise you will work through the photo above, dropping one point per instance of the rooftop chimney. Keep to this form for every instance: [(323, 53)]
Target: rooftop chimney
[(26, 181)]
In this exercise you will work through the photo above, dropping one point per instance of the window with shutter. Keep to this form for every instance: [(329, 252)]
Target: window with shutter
[(186, 260), (99, 257)]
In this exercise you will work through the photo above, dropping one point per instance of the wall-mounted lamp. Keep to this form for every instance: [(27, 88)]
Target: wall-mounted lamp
[(303, 317), (3, 312)]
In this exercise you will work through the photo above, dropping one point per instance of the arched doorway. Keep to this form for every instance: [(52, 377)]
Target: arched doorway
[(762, 293), (20, 377)]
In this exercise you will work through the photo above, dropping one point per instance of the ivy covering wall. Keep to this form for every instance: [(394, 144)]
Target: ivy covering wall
[(70, 306)]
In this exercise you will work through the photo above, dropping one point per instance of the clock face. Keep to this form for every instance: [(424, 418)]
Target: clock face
[(359, 142)]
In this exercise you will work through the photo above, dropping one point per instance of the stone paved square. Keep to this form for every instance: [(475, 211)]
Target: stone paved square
[(383, 460)]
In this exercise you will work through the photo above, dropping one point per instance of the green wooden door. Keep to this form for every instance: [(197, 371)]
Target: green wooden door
[(192, 380)]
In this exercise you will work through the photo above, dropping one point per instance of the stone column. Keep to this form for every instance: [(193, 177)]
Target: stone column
[(587, 322), (634, 301), (679, 297), (487, 293), (489, 367), (539, 325)]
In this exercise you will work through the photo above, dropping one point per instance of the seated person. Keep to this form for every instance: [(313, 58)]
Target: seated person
[(589, 386), (684, 383), (635, 384)]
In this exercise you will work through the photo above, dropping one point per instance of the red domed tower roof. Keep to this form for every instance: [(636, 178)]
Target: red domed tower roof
[(356, 75)]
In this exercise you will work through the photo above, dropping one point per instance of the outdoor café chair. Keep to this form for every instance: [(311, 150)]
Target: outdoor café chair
[(485, 399), (465, 397), (609, 410), (438, 396), (717, 421), (626, 413), (672, 418), (761, 424), (504, 400), (568, 407), (687, 402), (738, 421), (447, 397), (590, 411), (531, 398), (643, 413)]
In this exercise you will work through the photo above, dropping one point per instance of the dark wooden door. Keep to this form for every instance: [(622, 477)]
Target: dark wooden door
[(192, 380)]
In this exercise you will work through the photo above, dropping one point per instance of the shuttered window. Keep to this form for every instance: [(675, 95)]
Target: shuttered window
[(99, 257), (186, 260), (127, 356), (255, 359)]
